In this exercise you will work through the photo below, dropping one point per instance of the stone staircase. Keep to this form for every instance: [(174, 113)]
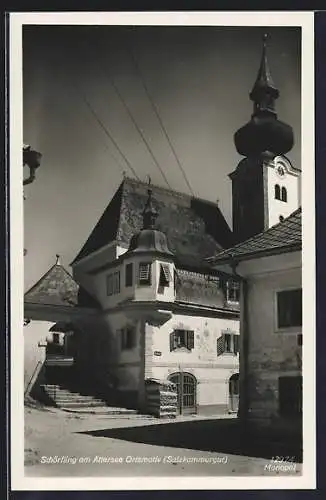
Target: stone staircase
[(69, 399)]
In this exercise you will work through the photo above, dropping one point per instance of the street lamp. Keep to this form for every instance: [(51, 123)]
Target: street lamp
[(32, 159)]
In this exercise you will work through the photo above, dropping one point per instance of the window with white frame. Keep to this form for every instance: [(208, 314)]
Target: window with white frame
[(228, 343), (232, 291), (113, 283), (182, 339), (289, 308), (165, 275), (145, 275)]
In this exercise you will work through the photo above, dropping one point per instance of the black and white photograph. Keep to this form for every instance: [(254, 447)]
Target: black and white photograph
[(159, 282)]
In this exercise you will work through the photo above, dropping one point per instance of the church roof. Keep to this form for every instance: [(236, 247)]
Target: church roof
[(282, 238), (195, 228), (58, 288)]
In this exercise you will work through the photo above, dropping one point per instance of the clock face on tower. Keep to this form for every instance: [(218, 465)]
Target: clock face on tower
[(280, 170)]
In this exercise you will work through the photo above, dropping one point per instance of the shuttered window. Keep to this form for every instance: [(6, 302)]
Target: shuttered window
[(182, 339), (144, 273), (228, 343), (165, 275)]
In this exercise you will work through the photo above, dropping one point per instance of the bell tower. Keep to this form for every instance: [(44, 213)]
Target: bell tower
[(265, 186)]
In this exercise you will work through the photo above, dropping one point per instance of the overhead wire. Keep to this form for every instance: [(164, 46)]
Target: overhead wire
[(139, 130), (107, 133), (105, 130), (156, 111)]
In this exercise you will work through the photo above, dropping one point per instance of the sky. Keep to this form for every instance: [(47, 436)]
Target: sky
[(199, 79)]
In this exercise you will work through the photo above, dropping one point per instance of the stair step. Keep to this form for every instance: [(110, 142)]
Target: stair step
[(101, 410)]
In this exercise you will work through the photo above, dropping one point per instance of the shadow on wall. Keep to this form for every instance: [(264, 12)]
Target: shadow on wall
[(221, 436)]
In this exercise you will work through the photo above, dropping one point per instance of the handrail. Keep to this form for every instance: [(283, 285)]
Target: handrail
[(31, 380)]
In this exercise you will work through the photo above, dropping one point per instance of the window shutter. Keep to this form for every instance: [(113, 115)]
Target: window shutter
[(227, 342), (165, 275), (172, 346), (128, 274), (190, 339), (236, 343), (166, 272), (220, 345)]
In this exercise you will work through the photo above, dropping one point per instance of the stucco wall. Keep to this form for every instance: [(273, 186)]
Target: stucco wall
[(271, 353), (278, 207), (211, 371)]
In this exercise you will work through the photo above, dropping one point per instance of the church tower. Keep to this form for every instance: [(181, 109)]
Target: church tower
[(265, 186)]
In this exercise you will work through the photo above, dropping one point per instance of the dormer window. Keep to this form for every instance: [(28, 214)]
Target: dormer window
[(165, 275), (145, 273)]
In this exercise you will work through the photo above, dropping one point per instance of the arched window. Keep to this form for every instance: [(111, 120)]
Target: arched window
[(284, 196), (277, 192)]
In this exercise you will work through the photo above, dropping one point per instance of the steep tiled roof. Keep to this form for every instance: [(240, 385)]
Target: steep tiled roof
[(281, 238), (195, 228), (58, 288)]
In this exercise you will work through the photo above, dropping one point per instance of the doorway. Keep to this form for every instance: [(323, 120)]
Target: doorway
[(234, 393), (186, 385)]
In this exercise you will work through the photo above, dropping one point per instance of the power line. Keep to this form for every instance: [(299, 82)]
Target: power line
[(139, 130), (107, 132), (155, 109)]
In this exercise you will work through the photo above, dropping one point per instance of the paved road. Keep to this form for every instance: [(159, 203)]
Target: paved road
[(62, 444)]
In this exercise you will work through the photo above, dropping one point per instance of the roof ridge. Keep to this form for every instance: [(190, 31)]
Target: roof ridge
[(41, 278), (44, 276), (256, 236), (168, 190)]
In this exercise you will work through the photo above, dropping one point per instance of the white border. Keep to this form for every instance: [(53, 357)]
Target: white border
[(306, 21)]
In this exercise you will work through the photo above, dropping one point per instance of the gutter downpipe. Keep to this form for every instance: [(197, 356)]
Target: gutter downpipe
[(244, 343)]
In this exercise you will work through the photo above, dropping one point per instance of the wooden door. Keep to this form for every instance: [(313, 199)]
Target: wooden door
[(186, 391)]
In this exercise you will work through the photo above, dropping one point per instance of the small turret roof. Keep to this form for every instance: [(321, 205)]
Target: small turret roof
[(58, 288)]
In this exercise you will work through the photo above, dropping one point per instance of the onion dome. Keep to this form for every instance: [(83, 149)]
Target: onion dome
[(149, 239), (264, 132)]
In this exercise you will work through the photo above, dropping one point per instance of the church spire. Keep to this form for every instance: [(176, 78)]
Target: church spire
[(264, 92), (264, 133)]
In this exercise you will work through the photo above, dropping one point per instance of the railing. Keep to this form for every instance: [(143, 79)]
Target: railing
[(33, 377)]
